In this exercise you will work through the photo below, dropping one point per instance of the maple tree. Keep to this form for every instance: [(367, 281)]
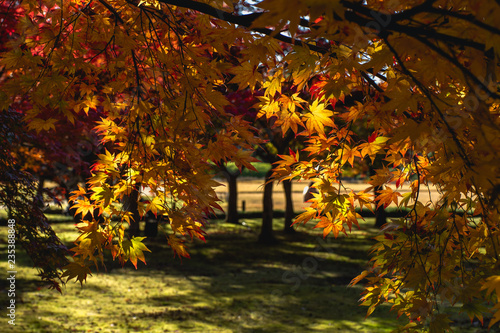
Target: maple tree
[(241, 104), (20, 196), (158, 69), (269, 152)]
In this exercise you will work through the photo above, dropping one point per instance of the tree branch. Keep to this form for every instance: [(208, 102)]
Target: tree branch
[(455, 62), (468, 18), (244, 21), (429, 96), (112, 10), (412, 31)]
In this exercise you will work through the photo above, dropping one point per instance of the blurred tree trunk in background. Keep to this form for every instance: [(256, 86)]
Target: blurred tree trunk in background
[(289, 214)]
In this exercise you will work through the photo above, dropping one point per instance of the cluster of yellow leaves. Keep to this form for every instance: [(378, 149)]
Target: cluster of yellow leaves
[(427, 116), (432, 127), (158, 87)]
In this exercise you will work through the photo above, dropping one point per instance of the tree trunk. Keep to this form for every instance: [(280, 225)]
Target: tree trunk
[(232, 194), (151, 227), (39, 192), (289, 214), (232, 200), (266, 232), (380, 214)]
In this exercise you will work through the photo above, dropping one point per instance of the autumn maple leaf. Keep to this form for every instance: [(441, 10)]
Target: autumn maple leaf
[(373, 146), (348, 154), (330, 225), (133, 249), (178, 246), (386, 197), (76, 270), (318, 118)]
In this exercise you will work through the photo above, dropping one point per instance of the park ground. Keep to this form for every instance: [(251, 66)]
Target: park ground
[(251, 190), (230, 284)]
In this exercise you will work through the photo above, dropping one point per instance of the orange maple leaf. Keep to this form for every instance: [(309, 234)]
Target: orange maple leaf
[(387, 196), (348, 154), (309, 214), (330, 225), (178, 246)]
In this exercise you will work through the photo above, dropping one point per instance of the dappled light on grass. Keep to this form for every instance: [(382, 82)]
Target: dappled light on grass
[(230, 284)]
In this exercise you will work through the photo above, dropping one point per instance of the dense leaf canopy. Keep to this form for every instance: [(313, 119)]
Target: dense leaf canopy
[(158, 73)]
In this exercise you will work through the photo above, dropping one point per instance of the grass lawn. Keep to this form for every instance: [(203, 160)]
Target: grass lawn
[(231, 284), (261, 168)]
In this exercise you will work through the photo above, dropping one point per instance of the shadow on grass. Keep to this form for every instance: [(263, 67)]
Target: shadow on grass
[(230, 284), (248, 287)]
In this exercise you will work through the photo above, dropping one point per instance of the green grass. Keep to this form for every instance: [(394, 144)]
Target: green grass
[(231, 284), (261, 170)]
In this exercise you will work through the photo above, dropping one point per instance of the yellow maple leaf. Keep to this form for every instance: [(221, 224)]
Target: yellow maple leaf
[(288, 119), (133, 250), (107, 159), (355, 112), (348, 154), (103, 194), (374, 147), (84, 207), (246, 75), (364, 199), (42, 125), (156, 205), (492, 284), (76, 270), (318, 118)]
